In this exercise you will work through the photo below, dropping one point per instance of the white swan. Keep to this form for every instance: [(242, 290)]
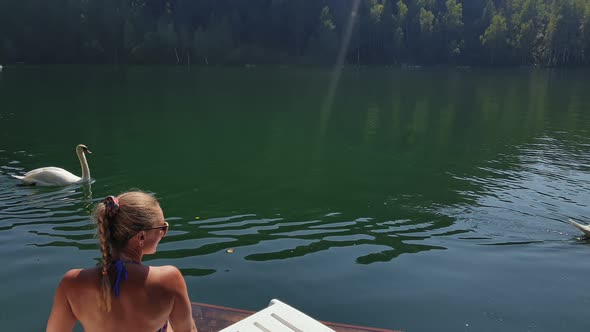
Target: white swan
[(583, 228), (55, 176)]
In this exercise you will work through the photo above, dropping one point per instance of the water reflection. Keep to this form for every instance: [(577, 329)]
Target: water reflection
[(397, 164), (22, 206)]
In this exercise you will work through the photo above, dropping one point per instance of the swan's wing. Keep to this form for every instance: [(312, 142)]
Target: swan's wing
[(24, 180), (47, 176), (583, 228), (42, 170)]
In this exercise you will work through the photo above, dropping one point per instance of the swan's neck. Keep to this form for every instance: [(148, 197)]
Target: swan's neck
[(84, 165)]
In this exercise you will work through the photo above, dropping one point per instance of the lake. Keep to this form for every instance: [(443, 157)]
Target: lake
[(417, 199)]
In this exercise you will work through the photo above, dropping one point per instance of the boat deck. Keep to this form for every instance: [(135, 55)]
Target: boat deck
[(213, 318)]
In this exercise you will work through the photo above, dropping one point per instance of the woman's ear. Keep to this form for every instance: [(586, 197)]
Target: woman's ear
[(141, 237)]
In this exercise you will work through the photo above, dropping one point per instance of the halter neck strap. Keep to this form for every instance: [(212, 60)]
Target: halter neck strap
[(121, 274)]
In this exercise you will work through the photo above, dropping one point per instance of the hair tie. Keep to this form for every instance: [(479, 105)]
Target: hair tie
[(111, 204)]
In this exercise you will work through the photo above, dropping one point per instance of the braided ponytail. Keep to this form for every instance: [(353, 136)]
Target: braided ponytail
[(104, 236)]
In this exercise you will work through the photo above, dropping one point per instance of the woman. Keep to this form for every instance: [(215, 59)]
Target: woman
[(122, 294)]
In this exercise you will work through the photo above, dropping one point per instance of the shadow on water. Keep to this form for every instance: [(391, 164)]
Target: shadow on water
[(315, 235)]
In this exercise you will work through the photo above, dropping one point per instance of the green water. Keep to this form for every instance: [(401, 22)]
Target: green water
[(407, 199)]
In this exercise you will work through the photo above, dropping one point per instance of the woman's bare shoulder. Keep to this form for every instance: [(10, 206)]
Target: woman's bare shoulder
[(166, 271), (77, 276), (169, 275)]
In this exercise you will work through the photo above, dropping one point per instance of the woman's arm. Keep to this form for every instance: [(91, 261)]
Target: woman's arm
[(181, 317), (62, 318)]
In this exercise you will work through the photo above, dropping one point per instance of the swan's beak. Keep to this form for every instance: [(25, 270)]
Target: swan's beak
[(88, 151)]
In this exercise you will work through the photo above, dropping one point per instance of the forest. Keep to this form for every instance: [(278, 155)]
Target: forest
[(307, 32)]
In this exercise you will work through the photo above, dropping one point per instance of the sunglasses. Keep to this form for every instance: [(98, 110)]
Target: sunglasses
[(163, 228)]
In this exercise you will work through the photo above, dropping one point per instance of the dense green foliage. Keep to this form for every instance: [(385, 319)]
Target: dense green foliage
[(496, 32)]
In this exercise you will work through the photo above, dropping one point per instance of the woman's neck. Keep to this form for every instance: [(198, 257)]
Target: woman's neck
[(130, 255)]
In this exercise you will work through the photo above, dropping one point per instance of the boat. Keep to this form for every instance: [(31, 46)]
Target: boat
[(214, 318)]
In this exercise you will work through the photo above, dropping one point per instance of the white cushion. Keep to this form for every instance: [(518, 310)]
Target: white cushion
[(278, 317)]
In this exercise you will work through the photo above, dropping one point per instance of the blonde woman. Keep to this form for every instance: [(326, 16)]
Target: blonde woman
[(122, 294)]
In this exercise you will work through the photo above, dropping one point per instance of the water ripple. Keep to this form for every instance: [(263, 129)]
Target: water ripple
[(531, 192), (543, 180), (328, 230)]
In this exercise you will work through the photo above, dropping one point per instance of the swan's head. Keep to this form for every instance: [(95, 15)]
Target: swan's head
[(82, 148)]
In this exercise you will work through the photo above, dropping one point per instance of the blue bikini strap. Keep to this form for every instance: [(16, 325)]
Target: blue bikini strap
[(120, 274)]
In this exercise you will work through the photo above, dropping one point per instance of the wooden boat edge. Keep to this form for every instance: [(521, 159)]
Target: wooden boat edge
[(212, 318)]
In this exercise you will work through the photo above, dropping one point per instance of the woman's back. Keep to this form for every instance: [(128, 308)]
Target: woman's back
[(144, 303), (123, 294)]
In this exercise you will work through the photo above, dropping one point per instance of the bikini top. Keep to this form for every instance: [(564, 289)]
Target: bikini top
[(121, 274)]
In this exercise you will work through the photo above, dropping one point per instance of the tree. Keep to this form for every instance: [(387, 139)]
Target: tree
[(426, 24), (400, 28), (325, 44), (452, 21), (526, 24), (563, 43), (586, 32), (489, 12), (547, 32), (495, 38), (326, 21)]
